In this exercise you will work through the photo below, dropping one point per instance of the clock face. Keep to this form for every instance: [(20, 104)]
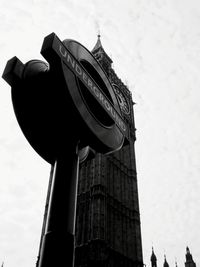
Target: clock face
[(124, 105)]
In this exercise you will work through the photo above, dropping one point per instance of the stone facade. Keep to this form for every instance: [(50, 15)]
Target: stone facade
[(108, 221)]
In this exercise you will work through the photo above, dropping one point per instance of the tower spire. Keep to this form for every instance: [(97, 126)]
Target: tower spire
[(98, 44), (176, 265), (189, 260), (165, 262), (153, 259), (101, 55)]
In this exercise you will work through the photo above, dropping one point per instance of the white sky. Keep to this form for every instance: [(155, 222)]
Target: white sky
[(155, 47)]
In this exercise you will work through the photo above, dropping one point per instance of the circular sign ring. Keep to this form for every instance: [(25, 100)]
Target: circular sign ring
[(71, 101), (105, 138)]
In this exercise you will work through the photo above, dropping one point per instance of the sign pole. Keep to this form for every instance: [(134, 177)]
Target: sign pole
[(59, 238), (45, 212)]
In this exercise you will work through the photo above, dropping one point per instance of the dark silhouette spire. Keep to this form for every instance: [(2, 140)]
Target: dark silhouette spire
[(189, 260), (153, 259), (165, 262), (188, 255), (98, 44), (101, 55)]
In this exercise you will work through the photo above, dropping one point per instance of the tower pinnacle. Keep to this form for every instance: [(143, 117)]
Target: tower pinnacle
[(101, 55), (165, 262), (98, 44), (153, 259), (189, 260)]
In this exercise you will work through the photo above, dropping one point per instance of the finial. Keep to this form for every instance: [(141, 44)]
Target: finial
[(164, 251), (97, 28), (99, 34)]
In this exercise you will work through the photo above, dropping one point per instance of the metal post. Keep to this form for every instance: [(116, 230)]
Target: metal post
[(59, 238), (45, 212)]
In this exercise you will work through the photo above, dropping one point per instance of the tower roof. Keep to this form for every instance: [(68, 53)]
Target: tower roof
[(188, 255), (165, 262), (153, 256), (98, 49), (98, 44)]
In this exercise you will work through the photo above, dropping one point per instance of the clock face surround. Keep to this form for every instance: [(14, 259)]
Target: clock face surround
[(123, 102)]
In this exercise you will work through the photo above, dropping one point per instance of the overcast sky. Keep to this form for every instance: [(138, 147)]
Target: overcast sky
[(155, 47)]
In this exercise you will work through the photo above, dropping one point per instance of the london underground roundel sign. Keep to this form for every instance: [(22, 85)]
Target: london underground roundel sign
[(71, 100)]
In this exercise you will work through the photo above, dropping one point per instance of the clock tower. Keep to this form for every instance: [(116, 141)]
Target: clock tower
[(108, 232)]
